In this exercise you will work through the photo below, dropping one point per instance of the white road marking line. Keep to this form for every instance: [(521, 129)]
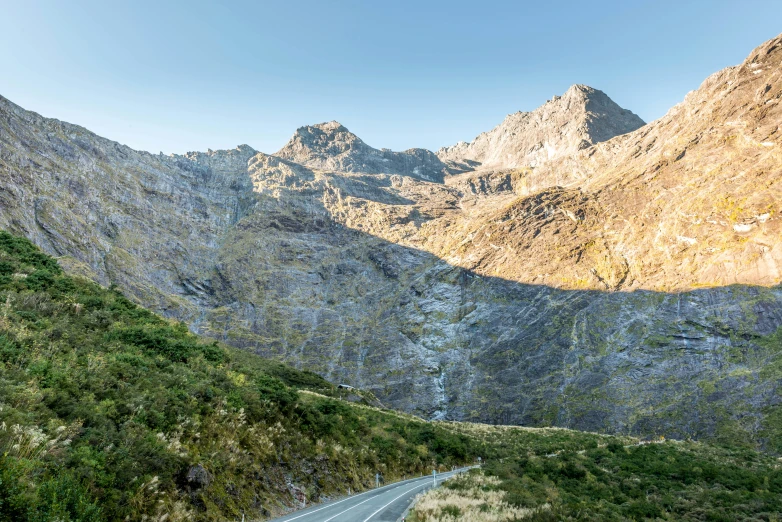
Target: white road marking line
[(397, 498), (348, 509), (390, 487), (320, 509)]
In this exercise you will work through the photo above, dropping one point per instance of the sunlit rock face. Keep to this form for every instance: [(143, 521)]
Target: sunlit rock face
[(617, 279), (561, 127), (331, 146)]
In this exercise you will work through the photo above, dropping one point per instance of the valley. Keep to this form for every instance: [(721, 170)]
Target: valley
[(595, 279)]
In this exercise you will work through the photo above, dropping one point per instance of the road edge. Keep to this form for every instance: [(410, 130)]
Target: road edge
[(346, 497), (415, 500)]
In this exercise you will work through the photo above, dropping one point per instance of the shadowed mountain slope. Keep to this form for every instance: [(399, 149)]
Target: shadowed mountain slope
[(488, 297)]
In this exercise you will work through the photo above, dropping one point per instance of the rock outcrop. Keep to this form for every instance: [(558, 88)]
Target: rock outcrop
[(628, 286)]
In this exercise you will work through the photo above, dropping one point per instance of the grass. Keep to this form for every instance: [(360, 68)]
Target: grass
[(475, 496)]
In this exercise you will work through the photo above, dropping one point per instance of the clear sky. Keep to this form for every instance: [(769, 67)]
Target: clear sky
[(181, 76)]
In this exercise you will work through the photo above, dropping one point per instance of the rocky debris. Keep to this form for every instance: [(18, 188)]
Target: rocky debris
[(561, 127), (198, 476), (386, 262), (298, 494)]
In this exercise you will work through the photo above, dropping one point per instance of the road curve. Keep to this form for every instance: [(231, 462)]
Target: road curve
[(384, 504)]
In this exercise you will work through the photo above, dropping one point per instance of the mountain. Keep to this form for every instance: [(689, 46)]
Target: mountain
[(688, 201), (627, 286), (562, 126), (330, 146)]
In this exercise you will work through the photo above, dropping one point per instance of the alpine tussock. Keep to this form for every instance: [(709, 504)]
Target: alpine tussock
[(472, 498)]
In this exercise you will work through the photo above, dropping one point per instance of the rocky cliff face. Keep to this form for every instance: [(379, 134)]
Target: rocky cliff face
[(589, 291), (561, 127)]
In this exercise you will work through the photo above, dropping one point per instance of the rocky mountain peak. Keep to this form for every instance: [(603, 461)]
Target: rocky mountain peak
[(331, 146), (232, 159), (323, 135), (579, 89), (329, 126), (581, 117)]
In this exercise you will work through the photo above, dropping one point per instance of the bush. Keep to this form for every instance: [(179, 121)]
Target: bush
[(14, 498), (63, 499)]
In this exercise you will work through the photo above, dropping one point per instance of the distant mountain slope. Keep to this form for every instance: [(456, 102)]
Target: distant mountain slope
[(570, 293), (562, 126), (330, 146)]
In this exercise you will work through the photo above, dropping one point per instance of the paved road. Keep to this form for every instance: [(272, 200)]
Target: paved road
[(384, 504)]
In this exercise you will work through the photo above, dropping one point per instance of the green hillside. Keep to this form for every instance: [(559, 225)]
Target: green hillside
[(108, 411), (555, 474)]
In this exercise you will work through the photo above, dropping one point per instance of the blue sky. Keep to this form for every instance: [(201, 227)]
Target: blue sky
[(181, 76)]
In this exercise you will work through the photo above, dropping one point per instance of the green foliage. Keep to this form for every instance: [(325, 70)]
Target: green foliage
[(590, 476), (105, 407), (178, 347), (13, 495), (667, 480), (25, 255), (59, 497), (63, 499), (452, 511)]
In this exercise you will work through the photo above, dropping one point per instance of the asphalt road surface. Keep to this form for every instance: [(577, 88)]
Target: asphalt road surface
[(384, 504)]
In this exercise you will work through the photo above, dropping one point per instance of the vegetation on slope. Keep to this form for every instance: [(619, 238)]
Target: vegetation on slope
[(562, 475), (109, 412)]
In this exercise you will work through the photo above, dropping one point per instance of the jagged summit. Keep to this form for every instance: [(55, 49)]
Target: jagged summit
[(581, 117), (329, 126), (331, 146), (323, 140)]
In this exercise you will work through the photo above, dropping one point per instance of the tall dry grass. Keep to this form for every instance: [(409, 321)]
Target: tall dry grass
[(472, 497)]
